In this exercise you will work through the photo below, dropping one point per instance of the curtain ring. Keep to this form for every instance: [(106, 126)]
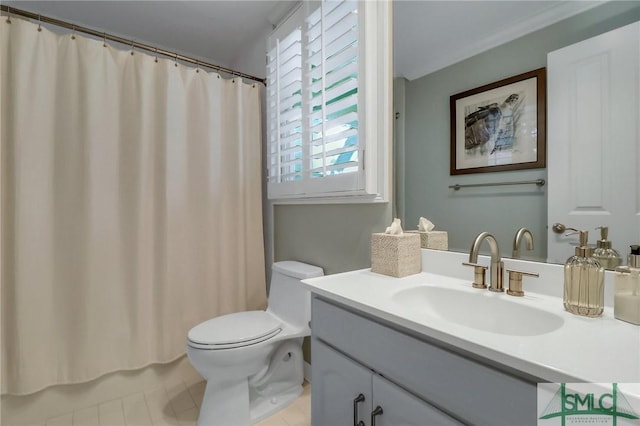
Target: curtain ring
[(197, 66), (104, 39), (156, 55), (8, 20), (39, 23), (176, 61), (132, 47), (73, 34)]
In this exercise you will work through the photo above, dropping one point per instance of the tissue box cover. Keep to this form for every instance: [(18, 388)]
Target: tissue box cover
[(437, 240), (396, 255)]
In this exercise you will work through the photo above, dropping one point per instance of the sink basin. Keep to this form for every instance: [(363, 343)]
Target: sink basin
[(480, 310)]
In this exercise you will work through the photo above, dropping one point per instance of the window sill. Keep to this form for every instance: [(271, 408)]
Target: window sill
[(336, 199)]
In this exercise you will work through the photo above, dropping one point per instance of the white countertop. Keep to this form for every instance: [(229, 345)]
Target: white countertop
[(600, 350)]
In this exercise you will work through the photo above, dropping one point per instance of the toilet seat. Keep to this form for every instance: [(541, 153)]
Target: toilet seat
[(234, 330)]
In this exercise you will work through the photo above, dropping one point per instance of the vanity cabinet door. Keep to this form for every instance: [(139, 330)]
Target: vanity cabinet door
[(401, 408), (336, 382)]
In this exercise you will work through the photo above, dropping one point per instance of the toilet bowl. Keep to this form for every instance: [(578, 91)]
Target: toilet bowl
[(252, 361)]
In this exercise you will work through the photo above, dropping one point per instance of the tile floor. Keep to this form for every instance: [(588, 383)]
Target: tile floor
[(174, 404)]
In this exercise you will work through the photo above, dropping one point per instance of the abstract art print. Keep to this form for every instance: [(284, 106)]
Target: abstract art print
[(500, 126)]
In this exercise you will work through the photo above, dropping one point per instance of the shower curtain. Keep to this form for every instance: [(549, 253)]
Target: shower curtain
[(131, 206)]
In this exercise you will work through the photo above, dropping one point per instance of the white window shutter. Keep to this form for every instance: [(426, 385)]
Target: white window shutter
[(284, 106), (316, 99)]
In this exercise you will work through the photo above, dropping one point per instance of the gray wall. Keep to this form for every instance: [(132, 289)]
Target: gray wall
[(336, 237), (502, 211)]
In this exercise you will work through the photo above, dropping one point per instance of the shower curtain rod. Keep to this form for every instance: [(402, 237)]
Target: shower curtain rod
[(106, 36)]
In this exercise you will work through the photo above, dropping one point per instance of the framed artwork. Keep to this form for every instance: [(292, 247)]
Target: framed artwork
[(500, 126)]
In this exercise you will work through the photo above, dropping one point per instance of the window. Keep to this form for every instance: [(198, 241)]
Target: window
[(328, 102)]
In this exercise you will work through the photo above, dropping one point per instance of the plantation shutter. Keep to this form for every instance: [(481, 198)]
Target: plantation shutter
[(318, 63), (331, 38), (313, 103), (284, 109)]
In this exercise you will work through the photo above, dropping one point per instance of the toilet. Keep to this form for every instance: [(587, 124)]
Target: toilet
[(252, 361)]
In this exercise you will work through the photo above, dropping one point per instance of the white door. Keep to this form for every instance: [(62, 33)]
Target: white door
[(593, 95)]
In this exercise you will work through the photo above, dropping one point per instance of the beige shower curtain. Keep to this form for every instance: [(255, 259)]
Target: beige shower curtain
[(131, 195)]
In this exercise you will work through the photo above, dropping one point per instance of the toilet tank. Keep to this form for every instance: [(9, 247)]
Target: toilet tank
[(288, 299)]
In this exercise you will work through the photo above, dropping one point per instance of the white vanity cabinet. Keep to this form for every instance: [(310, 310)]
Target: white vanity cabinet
[(414, 380)]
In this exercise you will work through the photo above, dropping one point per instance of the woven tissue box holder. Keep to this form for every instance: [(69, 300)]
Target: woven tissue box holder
[(396, 255), (436, 240)]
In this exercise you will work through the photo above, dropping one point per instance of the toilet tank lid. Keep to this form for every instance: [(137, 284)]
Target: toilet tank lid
[(298, 270)]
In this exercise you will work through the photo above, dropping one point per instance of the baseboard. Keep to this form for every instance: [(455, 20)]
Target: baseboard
[(307, 371)]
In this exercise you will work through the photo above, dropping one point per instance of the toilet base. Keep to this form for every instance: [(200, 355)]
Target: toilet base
[(263, 407), (232, 401), (225, 404)]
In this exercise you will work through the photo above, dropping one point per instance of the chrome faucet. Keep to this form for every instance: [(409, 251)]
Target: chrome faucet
[(522, 232), (496, 275)]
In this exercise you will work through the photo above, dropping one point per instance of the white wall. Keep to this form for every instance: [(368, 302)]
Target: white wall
[(253, 60)]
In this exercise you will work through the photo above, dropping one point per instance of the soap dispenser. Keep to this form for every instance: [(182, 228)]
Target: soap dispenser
[(583, 281), (606, 256), (626, 303)]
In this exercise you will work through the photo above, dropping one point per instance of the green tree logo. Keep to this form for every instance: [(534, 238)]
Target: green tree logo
[(565, 404)]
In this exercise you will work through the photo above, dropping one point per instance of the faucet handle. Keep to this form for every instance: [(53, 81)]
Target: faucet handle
[(515, 281), (479, 274)]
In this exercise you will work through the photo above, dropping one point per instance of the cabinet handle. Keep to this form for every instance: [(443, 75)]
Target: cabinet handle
[(359, 399), (377, 412)]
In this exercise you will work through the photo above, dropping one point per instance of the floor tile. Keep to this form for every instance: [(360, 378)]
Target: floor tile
[(294, 416), (306, 388), (275, 420), (111, 413), (196, 391), (135, 410), (160, 409), (179, 397), (303, 403), (86, 417), (174, 404), (64, 420), (188, 417), (190, 375)]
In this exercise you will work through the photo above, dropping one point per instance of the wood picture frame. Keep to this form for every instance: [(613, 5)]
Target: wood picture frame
[(500, 126)]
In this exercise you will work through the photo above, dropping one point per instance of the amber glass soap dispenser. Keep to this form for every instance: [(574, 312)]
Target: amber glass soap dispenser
[(583, 282), (606, 256)]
